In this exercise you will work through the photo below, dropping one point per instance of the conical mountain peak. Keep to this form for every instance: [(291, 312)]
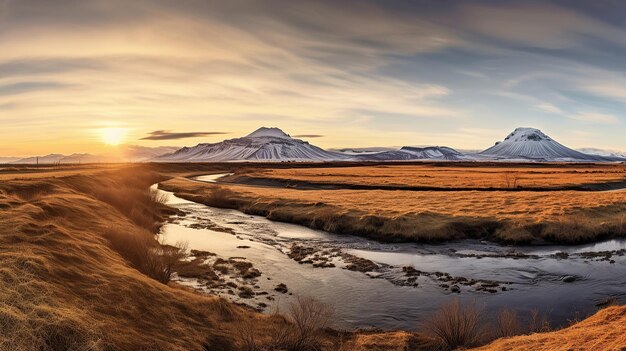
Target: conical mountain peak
[(265, 132)]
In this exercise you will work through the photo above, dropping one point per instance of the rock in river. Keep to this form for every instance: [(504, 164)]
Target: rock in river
[(568, 279)]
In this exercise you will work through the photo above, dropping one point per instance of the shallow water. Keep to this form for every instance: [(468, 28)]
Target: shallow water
[(534, 282)]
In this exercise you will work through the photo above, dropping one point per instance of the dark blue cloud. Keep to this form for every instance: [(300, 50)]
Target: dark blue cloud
[(28, 87), (34, 66), (169, 135)]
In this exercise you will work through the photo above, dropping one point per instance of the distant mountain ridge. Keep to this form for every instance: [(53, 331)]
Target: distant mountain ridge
[(408, 153), (124, 153), (274, 145), (602, 152), (363, 150), (435, 152)]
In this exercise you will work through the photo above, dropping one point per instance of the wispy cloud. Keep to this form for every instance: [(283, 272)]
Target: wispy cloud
[(27, 87), (410, 69), (610, 89), (541, 25), (7, 106), (168, 135), (548, 107), (595, 117)]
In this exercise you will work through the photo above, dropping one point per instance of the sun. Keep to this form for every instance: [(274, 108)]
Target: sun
[(112, 136)]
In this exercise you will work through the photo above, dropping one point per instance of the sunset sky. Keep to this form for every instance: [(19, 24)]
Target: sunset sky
[(76, 75)]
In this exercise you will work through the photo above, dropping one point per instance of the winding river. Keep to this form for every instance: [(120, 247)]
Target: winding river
[(561, 282)]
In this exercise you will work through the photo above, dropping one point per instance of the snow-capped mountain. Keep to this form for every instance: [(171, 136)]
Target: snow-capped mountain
[(271, 132), (533, 144), (435, 153), (407, 153), (392, 155), (264, 144), (363, 150)]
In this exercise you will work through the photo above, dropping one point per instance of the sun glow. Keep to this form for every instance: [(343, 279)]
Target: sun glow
[(112, 136)]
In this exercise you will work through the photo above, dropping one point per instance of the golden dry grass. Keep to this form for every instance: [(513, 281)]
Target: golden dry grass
[(604, 331), (387, 341), (64, 287), (11, 172), (452, 176), (562, 216)]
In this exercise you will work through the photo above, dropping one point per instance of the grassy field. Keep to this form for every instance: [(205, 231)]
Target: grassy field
[(451, 176), (514, 216), (80, 270)]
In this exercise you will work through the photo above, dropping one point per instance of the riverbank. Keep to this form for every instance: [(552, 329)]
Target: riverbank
[(351, 272), (567, 217), (68, 285)]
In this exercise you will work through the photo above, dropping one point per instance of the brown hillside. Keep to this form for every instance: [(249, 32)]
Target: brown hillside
[(604, 331), (64, 288)]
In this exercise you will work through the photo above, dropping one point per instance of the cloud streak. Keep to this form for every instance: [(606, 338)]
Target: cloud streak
[(595, 117), (168, 135), (28, 87)]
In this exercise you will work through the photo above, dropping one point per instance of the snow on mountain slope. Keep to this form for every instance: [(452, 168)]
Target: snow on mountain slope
[(532, 144), (265, 132), (435, 153), (408, 153), (603, 152), (264, 144), (393, 155), (363, 150)]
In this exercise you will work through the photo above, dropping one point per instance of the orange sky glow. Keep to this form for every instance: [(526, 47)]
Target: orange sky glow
[(87, 76)]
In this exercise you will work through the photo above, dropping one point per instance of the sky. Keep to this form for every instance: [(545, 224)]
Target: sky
[(83, 75)]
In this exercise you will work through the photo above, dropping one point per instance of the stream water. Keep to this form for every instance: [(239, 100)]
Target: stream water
[(525, 278)]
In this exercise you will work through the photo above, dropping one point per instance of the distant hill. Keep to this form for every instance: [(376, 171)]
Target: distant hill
[(264, 144), (408, 153), (123, 153), (602, 152), (4, 160), (533, 144)]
